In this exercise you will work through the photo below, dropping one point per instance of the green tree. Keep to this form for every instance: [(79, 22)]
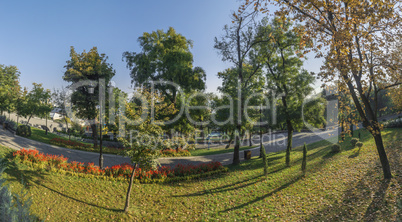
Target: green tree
[(145, 144), (281, 54), (87, 66), (9, 88), (36, 102), (116, 96), (165, 56), (59, 98), (235, 46), (221, 116)]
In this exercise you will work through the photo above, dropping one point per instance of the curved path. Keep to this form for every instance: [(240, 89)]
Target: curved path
[(272, 143)]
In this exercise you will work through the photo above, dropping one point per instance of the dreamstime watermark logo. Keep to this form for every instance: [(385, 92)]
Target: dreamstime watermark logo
[(235, 113)]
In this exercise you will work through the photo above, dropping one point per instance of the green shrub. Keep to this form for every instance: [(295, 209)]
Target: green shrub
[(359, 144), (393, 123), (2, 119), (336, 148), (24, 130), (12, 206), (11, 125), (354, 141)]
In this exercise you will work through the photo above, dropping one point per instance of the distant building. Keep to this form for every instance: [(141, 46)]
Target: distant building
[(56, 114)]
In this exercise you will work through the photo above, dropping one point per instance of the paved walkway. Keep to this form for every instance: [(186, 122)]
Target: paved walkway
[(272, 143)]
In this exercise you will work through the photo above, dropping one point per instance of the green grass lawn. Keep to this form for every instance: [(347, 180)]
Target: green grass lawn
[(337, 187), (40, 135), (212, 151)]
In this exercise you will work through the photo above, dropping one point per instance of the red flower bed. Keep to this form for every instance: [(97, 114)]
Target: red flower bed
[(35, 157), (123, 170), (69, 143)]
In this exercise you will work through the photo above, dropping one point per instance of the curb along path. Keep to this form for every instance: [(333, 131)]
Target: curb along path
[(277, 143)]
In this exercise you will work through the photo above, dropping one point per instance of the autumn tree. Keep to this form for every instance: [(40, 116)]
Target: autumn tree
[(87, 66), (355, 37)]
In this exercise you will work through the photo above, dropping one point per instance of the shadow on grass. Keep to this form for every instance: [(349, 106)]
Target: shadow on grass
[(225, 188), (284, 186), (357, 195), (378, 200), (355, 154), (31, 178), (78, 200), (360, 194), (24, 177)]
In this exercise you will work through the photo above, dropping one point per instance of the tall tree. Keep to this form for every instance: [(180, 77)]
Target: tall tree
[(87, 66), (59, 99), (281, 56), (9, 87), (36, 102), (165, 56), (235, 46), (355, 37), (145, 145)]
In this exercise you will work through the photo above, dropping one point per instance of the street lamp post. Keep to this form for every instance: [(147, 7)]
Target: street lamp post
[(100, 137), (91, 90), (263, 154), (46, 117), (260, 134)]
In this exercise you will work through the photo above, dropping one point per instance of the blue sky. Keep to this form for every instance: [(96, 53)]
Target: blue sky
[(36, 35)]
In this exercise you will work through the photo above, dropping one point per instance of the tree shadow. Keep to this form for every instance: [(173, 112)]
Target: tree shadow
[(284, 186), (371, 212), (329, 155), (355, 196), (223, 188), (24, 177), (355, 154), (78, 200), (31, 178)]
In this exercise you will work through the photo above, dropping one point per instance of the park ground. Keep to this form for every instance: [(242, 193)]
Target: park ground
[(343, 186)]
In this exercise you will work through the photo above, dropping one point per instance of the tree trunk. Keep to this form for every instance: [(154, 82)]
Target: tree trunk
[(202, 133), (383, 156), (29, 119), (351, 129), (68, 132), (236, 151), (94, 135), (230, 141), (130, 185), (289, 144), (304, 162), (263, 154), (249, 139)]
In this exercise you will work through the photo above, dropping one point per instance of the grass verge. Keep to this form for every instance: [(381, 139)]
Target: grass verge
[(344, 186), (40, 135), (213, 151)]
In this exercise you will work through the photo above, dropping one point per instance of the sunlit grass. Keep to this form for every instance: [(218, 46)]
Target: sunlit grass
[(212, 151), (343, 186)]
